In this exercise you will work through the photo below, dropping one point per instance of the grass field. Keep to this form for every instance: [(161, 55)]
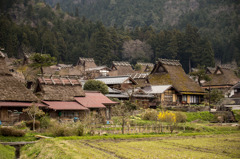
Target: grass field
[(206, 146)]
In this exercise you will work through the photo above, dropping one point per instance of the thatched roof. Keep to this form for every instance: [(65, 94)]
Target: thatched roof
[(86, 62), (122, 67), (146, 67), (170, 72), (210, 70), (59, 88), (222, 77), (10, 88), (3, 67)]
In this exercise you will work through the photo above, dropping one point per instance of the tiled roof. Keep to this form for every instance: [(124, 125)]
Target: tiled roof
[(59, 105), (94, 100), (156, 89), (19, 104), (115, 79)]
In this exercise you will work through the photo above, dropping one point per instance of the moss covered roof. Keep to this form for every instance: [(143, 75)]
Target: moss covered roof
[(173, 74)]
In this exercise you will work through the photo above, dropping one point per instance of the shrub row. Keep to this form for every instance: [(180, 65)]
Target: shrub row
[(7, 131)]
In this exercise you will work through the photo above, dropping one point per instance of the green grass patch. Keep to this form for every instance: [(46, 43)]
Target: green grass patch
[(27, 137), (237, 114), (7, 152), (204, 116)]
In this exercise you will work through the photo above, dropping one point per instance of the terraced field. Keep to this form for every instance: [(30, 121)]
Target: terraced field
[(212, 146)]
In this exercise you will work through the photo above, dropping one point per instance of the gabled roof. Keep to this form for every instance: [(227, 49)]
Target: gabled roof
[(156, 89), (116, 80), (210, 70), (236, 86), (94, 100), (170, 72), (59, 105), (122, 67), (222, 77), (59, 88), (146, 67), (86, 62)]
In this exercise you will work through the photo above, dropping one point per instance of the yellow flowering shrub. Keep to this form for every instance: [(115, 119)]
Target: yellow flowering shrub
[(167, 116)]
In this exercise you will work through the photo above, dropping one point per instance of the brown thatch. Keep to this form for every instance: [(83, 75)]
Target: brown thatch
[(210, 70), (3, 68), (170, 72), (59, 88), (86, 62), (145, 67), (222, 77), (122, 68)]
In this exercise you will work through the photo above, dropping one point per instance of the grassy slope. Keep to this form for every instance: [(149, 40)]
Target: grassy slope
[(7, 152)]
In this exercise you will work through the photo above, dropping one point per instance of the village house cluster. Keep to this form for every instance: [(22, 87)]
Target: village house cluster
[(59, 91)]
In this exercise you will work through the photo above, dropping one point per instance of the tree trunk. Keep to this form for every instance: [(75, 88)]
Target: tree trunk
[(34, 123), (123, 125)]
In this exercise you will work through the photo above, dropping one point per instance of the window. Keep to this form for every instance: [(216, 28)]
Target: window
[(184, 98), (194, 99), (70, 114)]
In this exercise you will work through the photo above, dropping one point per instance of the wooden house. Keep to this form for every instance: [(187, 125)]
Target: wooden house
[(120, 68), (170, 72), (145, 67), (165, 94), (118, 82), (223, 78), (86, 63), (96, 101), (59, 94), (235, 91), (14, 96)]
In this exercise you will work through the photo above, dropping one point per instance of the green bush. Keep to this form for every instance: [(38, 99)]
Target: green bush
[(62, 129), (30, 124), (237, 114), (79, 129), (7, 131), (150, 114), (204, 116), (44, 122), (180, 117)]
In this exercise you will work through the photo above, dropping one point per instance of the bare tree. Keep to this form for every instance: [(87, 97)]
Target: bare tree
[(33, 112)]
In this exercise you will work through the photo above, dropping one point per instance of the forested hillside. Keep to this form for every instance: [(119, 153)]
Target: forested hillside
[(217, 20), (29, 26)]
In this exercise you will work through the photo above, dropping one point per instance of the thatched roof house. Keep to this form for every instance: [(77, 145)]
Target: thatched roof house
[(14, 96), (86, 62), (59, 88), (120, 68), (10, 88), (145, 67), (170, 72), (222, 78)]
